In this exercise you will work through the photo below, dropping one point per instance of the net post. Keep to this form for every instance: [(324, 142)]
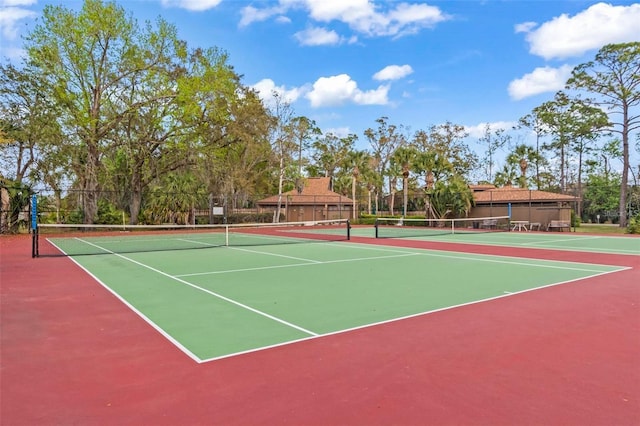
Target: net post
[(375, 225), (34, 226), (453, 226), (34, 243), (226, 235), (348, 230)]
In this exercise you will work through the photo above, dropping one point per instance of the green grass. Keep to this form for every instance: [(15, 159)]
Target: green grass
[(600, 228)]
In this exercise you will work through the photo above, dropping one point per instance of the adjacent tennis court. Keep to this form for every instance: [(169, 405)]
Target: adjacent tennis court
[(464, 231), (214, 299)]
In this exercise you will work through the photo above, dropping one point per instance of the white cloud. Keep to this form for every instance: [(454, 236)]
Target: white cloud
[(362, 16), (250, 14), (568, 36), (267, 90), (393, 72), (479, 130), (341, 132), (525, 27), (9, 18), (9, 3), (541, 80), (194, 5), (317, 36), (340, 89), (283, 19)]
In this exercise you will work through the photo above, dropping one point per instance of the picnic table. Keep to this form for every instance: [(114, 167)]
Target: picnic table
[(520, 225)]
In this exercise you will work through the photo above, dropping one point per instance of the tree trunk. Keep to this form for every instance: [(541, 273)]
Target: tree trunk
[(405, 196), (579, 208), (625, 169), (353, 195), (276, 217), (90, 198)]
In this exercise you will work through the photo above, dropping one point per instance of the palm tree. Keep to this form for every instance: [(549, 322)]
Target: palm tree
[(357, 162), (435, 167), (506, 176), (405, 157), (393, 171), (521, 157), (175, 199), (452, 198)]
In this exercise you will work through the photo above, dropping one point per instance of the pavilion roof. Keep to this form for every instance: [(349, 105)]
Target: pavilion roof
[(315, 190), (515, 195)]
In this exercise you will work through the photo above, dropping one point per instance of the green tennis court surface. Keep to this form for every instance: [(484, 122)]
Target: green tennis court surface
[(223, 301), (549, 240)]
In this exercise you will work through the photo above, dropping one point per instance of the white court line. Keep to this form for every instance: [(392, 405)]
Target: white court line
[(133, 308), (479, 258), (317, 262), (534, 264), (315, 335), (254, 251), (506, 243), (275, 254), (419, 314), (235, 302), (487, 258), (563, 240)]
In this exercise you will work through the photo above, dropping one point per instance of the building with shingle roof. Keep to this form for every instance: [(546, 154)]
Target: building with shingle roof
[(313, 200), (522, 204)]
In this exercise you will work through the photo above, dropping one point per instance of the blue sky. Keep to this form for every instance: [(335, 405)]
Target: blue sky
[(345, 63)]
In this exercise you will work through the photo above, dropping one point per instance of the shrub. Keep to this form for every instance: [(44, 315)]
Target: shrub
[(634, 225)]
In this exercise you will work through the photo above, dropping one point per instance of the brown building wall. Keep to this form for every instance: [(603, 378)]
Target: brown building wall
[(302, 213), (534, 213)]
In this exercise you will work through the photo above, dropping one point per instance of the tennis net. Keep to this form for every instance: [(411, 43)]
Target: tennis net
[(75, 240), (408, 227)]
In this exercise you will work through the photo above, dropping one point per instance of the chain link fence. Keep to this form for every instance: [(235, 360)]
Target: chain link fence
[(597, 205)]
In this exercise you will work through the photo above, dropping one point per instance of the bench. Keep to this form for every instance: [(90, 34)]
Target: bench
[(559, 225), (489, 224)]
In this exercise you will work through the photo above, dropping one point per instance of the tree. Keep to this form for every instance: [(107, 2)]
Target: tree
[(328, 153), (175, 198), (451, 199), (558, 116), (575, 126), (27, 122), (404, 157), (447, 142), (533, 122), (493, 140), (357, 162), (281, 143), (240, 163), (393, 171), (601, 196), (383, 142), (19, 194), (520, 158), (29, 136), (374, 184), (588, 123), (614, 78), (88, 60), (302, 129)]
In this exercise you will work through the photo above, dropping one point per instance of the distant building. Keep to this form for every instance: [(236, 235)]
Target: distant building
[(314, 200), (534, 206)]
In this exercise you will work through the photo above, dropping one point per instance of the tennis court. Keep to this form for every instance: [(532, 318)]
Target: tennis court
[(571, 241), (302, 325), (213, 300)]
